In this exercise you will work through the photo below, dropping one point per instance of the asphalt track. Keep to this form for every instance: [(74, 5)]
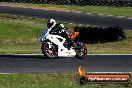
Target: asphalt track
[(40, 64), (70, 17)]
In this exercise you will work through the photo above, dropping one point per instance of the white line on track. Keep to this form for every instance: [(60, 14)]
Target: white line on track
[(42, 54), (88, 13), (121, 17), (109, 15), (78, 12), (101, 14), (109, 54), (70, 23), (7, 73), (87, 25), (110, 72), (129, 18), (88, 73)]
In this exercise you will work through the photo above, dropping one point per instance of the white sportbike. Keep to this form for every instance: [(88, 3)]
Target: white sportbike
[(56, 46)]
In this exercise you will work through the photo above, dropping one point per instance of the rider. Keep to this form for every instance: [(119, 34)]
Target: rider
[(59, 29), (52, 33)]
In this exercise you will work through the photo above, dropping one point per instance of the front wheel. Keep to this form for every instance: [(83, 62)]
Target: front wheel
[(49, 50)]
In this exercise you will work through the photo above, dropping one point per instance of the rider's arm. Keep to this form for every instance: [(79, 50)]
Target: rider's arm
[(44, 34)]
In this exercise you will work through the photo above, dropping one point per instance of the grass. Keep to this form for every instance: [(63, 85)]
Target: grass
[(119, 47), (122, 11), (47, 80), (21, 35)]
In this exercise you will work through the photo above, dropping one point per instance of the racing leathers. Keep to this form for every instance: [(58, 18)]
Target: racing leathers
[(58, 35), (59, 29)]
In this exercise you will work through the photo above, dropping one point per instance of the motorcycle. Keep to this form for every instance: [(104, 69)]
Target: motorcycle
[(50, 49)]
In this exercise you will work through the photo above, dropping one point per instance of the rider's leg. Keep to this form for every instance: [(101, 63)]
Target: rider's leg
[(67, 37)]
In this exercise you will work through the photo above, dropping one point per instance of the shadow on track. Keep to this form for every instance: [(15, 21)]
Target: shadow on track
[(25, 56), (35, 57)]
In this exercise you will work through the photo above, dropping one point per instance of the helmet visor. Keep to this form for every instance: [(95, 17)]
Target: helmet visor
[(49, 25)]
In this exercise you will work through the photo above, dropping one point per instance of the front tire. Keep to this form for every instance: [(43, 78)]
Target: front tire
[(49, 52)]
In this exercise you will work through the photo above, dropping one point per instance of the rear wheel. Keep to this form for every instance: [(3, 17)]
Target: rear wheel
[(81, 50), (81, 53), (49, 50)]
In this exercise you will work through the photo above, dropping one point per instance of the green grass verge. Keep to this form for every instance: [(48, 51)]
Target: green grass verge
[(49, 81), (21, 35), (122, 11)]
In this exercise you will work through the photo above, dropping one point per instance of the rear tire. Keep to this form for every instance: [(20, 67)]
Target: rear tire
[(82, 52)]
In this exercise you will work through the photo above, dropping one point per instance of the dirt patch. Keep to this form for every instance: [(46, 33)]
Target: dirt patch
[(37, 7), (7, 17), (50, 8)]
